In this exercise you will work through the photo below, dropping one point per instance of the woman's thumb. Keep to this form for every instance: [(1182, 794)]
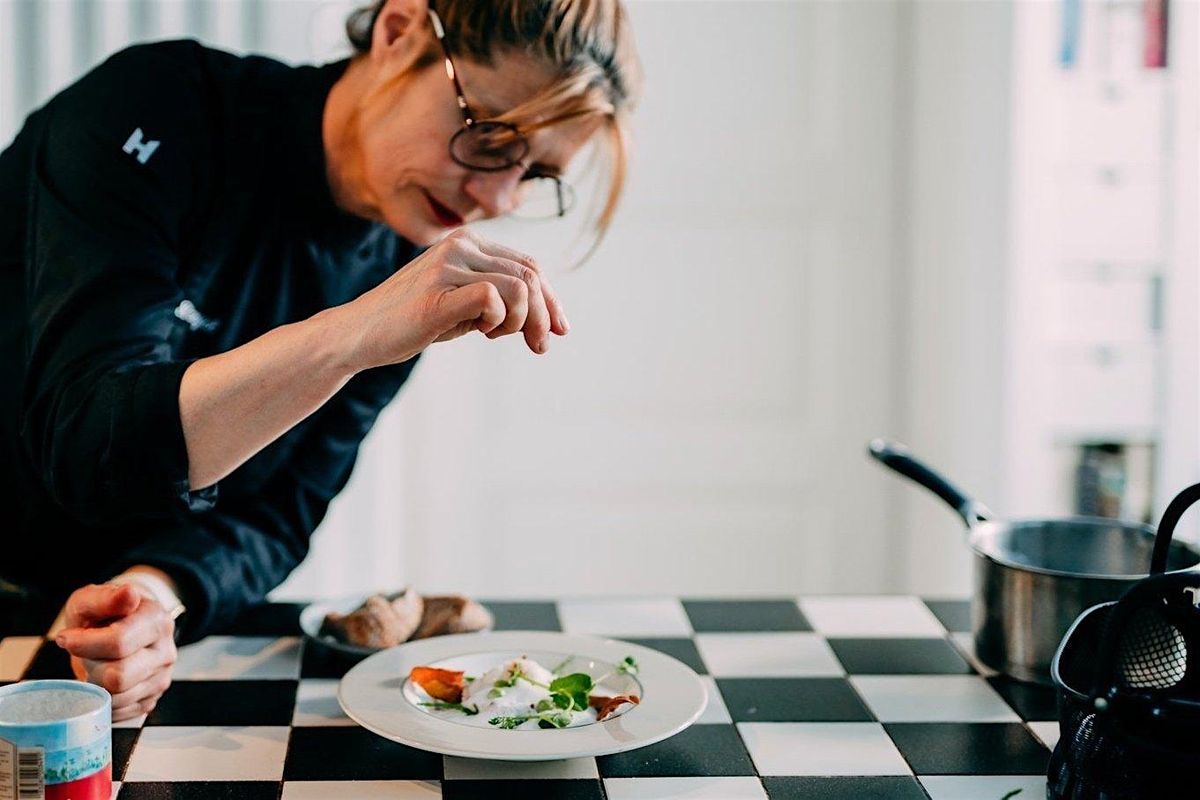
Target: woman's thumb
[(479, 301)]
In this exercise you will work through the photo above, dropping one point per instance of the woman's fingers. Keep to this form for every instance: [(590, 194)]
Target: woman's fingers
[(121, 638), (477, 303), (140, 699), (513, 291), (122, 675), (558, 318), (98, 603)]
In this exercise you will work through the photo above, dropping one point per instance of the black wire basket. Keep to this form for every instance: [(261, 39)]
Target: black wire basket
[(1128, 678)]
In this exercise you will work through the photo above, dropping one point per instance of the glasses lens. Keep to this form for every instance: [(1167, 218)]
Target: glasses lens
[(488, 146), (544, 198)]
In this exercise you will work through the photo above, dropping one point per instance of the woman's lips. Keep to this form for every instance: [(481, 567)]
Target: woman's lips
[(444, 215)]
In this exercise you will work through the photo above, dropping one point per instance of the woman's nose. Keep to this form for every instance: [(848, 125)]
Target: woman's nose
[(495, 192)]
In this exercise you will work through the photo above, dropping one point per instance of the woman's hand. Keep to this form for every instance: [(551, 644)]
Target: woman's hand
[(120, 638), (462, 283)]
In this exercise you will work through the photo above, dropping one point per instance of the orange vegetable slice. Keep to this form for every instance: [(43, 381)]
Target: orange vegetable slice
[(442, 684)]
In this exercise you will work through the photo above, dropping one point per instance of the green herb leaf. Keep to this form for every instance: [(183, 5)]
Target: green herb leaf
[(576, 687), (470, 711), (508, 723), (497, 691), (628, 666), (572, 684)]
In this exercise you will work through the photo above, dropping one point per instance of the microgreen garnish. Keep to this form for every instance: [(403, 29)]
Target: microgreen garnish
[(470, 711)]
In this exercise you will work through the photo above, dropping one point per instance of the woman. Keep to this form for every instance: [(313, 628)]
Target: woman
[(204, 310)]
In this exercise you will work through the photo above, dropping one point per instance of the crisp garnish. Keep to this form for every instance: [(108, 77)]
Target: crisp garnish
[(567, 694)]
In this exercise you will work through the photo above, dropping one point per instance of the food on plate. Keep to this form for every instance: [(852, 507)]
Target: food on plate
[(388, 620), (521, 693), (452, 614), (379, 622)]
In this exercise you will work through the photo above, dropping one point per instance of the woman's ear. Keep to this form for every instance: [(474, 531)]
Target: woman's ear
[(400, 28)]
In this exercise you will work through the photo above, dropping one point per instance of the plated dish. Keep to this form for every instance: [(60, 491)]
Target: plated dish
[(533, 695)]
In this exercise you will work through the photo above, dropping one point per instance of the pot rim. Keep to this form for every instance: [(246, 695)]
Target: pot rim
[(987, 528)]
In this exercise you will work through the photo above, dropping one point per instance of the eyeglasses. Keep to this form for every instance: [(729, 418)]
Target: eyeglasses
[(493, 146)]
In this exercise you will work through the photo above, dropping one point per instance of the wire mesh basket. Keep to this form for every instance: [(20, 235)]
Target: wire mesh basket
[(1128, 677)]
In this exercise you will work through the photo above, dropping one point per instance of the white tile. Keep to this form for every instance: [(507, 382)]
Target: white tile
[(457, 769), (361, 790), (984, 787), (247, 657), (208, 754), (822, 748), (317, 704), (867, 616), (634, 617), (135, 722), (684, 789), (932, 698), (1047, 732), (730, 655), (965, 644), (15, 654), (715, 713), (116, 789)]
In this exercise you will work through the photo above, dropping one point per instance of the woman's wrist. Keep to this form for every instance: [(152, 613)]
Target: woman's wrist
[(152, 582), (337, 337)]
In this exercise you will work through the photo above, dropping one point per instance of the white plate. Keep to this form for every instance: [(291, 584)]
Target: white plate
[(378, 695), (313, 616)]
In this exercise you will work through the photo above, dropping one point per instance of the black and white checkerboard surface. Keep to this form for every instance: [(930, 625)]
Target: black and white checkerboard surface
[(838, 698)]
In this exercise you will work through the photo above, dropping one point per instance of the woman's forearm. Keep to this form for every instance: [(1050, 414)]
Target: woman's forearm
[(236, 403)]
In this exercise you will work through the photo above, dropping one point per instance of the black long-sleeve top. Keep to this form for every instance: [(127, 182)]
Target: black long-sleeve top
[(170, 205)]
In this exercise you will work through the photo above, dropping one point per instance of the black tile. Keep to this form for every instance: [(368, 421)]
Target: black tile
[(123, 740), (513, 615), (238, 702), (267, 619), (526, 790), (792, 700), (344, 754), (723, 616), (891, 787), (201, 790), (682, 649), (1031, 702), (885, 656), (701, 750), (969, 748), (51, 661), (319, 661), (955, 615)]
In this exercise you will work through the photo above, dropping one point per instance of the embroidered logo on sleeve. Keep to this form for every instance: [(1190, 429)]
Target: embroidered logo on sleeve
[(137, 145), (188, 312)]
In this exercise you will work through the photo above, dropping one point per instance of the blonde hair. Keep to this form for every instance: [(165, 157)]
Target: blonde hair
[(588, 44)]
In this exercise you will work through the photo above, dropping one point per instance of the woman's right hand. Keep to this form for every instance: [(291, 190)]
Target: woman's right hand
[(122, 639), (462, 283)]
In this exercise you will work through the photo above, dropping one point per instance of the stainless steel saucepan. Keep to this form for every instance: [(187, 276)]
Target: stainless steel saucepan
[(1034, 577)]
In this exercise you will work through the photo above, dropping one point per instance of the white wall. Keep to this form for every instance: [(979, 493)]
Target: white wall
[(953, 210)]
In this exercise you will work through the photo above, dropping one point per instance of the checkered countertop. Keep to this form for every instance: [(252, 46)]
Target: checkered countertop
[(836, 698)]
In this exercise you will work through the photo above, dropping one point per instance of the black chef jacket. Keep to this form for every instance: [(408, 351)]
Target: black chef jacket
[(170, 205)]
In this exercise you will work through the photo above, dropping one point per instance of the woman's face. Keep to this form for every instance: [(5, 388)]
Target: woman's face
[(404, 173)]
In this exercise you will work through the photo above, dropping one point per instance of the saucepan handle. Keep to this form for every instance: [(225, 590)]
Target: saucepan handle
[(896, 457)]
